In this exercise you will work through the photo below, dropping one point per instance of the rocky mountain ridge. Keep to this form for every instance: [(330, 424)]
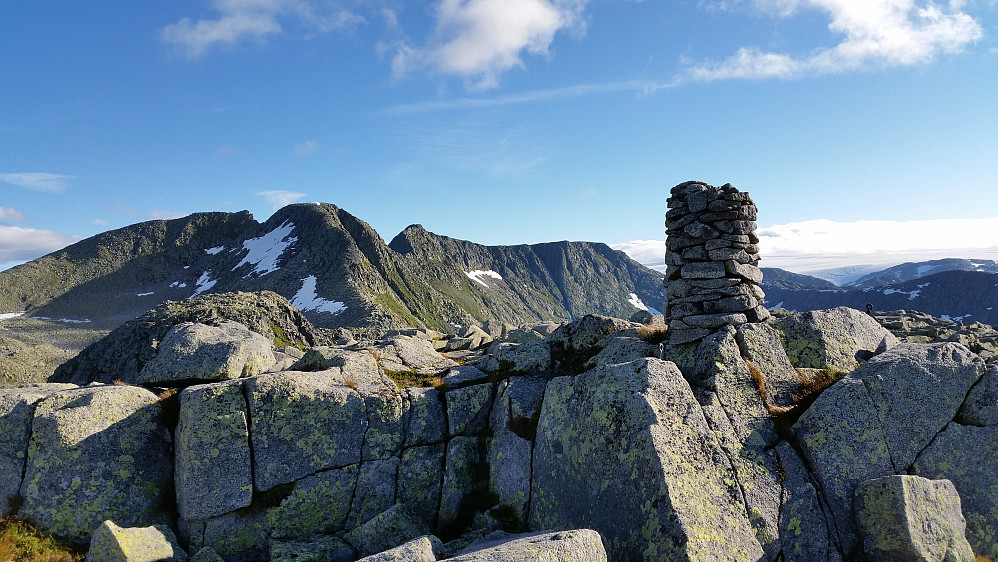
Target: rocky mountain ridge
[(333, 267)]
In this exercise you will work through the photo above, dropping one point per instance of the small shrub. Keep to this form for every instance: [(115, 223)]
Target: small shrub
[(349, 381), (655, 333)]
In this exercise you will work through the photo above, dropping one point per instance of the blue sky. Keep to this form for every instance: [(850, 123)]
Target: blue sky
[(864, 129)]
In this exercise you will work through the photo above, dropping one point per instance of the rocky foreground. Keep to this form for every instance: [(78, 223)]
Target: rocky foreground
[(201, 433)]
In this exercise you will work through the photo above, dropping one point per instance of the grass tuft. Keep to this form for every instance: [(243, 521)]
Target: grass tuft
[(655, 333), (22, 542)]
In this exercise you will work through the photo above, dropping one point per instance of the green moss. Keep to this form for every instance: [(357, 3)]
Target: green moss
[(281, 339)]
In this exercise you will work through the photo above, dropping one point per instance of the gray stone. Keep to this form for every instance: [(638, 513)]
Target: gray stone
[(464, 375), (703, 270), (579, 545), (303, 423), (739, 303), (746, 271), (386, 530), (214, 473), (421, 549), (527, 358), (966, 455), (318, 503), (623, 350), (315, 548), (97, 453), (238, 536), (420, 479), (17, 409), (980, 408), (375, 490), (514, 427), (400, 353), (460, 479), (635, 433), (426, 422), (839, 338), (902, 518), (468, 409), (111, 543), (192, 351), (318, 358), (760, 344), (714, 321), (736, 412), (875, 421), (206, 554), (804, 533)]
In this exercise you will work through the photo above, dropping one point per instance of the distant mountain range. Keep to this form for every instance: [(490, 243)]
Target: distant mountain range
[(942, 288), (334, 267)]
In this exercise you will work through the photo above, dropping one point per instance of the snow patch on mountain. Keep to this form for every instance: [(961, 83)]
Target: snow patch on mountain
[(215, 250), (9, 315), (478, 274), (267, 249), (204, 283), (145, 294), (307, 299), (911, 294)]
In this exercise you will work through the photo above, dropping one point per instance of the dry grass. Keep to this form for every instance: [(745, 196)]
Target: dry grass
[(983, 558), (655, 333), (166, 394), (22, 542), (349, 381)]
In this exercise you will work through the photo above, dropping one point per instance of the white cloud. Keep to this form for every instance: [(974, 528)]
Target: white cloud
[(280, 198), (479, 40), (101, 222), (6, 213), (38, 181), (647, 252), (876, 33), (306, 148), (824, 244), (21, 244), (161, 214), (240, 20)]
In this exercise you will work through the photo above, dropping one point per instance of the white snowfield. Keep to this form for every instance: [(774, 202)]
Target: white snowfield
[(267, 249), (307, 299), (9, 315), (215, 250), (636, 302), (478, 274), (204, 283)]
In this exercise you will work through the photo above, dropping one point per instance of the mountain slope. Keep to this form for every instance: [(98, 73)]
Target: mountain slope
[(914, 270), (331, 265), (971, 296)]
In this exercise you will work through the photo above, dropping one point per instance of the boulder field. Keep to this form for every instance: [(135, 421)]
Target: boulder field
[(809, 437)]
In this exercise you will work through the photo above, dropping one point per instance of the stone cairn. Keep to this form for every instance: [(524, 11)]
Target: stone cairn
[(712, 256)]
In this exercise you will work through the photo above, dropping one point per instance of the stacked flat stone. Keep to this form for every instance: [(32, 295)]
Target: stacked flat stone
[(712, 256)]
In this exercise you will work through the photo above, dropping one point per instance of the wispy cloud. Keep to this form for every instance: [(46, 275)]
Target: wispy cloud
[(6, 213), (875, 33), (280, 198), (480, 146), (38, 181), (306, 148), (101, 222), (479, 40), (643, 87), (242, 20), (822, 244), (162, 214), (21, 244)]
